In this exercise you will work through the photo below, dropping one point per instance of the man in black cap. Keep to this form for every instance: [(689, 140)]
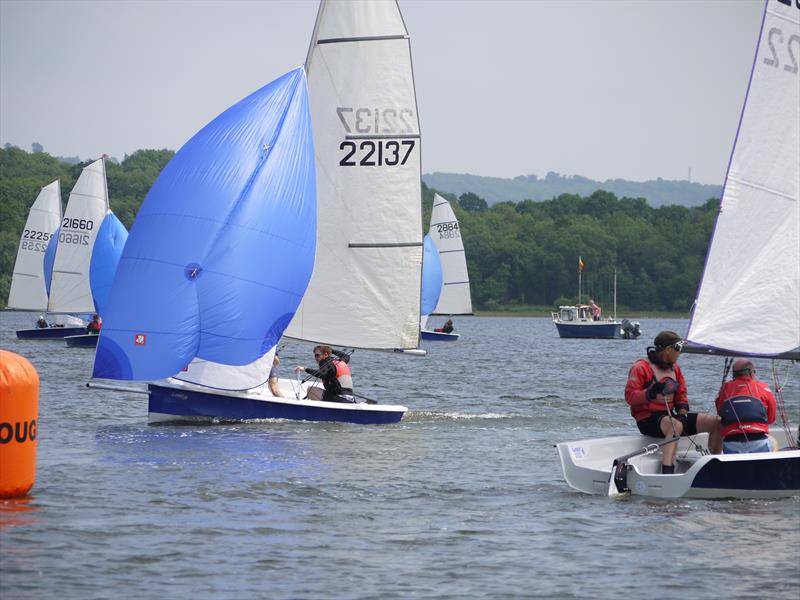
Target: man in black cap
[(656, 393)]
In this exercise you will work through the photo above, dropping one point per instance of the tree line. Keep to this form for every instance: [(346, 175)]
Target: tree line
[(518, 253), (526, 253)]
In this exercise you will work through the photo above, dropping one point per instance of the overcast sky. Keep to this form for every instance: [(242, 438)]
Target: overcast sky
[(604, 89)]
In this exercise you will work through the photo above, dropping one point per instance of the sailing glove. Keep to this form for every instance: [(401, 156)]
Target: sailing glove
[(654, 390)]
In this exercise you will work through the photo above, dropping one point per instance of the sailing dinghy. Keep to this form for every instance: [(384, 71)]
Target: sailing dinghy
[(338, 220), (366, 286), (455, 295), (29, 282), (747, 304), (86, 251)]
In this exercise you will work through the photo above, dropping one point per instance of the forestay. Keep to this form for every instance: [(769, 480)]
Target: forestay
[(223, 245), (28, 288), (70, 285), (748, 299), (446, 233), (365, 290)]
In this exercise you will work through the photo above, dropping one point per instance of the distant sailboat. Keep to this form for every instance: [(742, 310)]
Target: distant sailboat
[(28, 289), (87, 249), (747, 304), (455, 296), (29, 281)]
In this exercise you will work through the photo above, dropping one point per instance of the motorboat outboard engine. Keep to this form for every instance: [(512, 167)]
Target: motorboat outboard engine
[(630, 331)]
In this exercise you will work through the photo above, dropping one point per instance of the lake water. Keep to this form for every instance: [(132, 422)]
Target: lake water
[(462, 499)]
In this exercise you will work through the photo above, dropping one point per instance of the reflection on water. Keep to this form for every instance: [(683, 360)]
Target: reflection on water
[(463, 498), (16, 512)]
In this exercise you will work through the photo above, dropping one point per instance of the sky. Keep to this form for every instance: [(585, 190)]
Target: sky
[(603, 89)]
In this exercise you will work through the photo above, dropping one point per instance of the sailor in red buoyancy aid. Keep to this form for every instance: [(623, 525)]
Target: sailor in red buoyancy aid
[(656, 394), (334, 373), (747, 407)]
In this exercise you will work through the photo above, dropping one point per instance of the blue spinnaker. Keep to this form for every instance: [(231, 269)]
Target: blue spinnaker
[(105, 259), (223, 247), (431, 277), (49, 259)]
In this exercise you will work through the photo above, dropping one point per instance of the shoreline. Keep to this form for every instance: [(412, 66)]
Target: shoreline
[(541, 312)]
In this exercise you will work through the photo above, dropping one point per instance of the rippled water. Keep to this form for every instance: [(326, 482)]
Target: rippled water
[(463, 498)]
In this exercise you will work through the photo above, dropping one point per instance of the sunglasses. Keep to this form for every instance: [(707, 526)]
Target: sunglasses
[(317, 354), (677, 346)]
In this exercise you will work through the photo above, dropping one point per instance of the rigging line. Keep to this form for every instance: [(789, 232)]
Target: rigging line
[(790, 439)]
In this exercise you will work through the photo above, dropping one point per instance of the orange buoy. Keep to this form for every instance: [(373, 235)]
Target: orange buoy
[(19, 412)]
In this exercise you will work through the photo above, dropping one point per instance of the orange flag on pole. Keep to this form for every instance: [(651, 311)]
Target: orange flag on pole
[(580, 264)]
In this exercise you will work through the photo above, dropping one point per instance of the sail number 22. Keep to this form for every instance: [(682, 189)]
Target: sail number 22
[(775, 41)]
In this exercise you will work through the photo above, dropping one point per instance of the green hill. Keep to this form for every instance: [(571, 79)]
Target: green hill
[(659, 192)]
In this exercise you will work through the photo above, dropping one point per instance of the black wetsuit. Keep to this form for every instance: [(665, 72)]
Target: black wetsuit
[(327, 374)]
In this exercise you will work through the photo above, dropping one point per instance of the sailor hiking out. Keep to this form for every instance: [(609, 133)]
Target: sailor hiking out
[(334, 373)]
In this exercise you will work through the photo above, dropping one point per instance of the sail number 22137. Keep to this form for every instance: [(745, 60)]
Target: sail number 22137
[(376, 137)]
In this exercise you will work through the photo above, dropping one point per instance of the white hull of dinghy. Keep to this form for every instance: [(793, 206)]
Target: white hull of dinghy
[(587, 467), (174, 400)]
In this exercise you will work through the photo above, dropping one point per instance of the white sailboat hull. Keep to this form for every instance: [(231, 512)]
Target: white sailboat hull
[(587, 467)]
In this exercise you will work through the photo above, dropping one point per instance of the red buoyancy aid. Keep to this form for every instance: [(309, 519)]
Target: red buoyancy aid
[(745, 406), (343, 375)]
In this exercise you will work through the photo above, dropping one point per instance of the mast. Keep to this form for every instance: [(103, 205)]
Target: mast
[(615, 294)]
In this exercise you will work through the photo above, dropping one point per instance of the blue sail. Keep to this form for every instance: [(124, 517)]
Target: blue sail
[(105, 258), (49, 259), (223, 247), (431, 277)]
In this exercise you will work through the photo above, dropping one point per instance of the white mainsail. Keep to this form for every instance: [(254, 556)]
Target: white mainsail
[(749, 297), (455, 298), (365, 289), (70, 290), (28, 286)]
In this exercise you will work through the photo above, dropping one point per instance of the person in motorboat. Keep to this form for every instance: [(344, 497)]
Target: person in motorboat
[(747, 407), (272, 379), (596, 310), (95, 325), (446, 328), (42, 323), (656, 393), (334, 373)]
